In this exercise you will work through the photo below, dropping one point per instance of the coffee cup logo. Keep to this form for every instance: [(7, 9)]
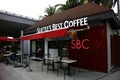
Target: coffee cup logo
[(73, 33)]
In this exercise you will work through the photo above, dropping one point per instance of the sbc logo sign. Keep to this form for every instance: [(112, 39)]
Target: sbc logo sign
[(78, 44)]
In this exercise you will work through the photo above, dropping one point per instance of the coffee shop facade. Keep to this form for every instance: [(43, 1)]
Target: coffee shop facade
[(83, 33)]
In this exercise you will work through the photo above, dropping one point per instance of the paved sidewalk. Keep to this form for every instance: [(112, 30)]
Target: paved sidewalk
[(8, 72)]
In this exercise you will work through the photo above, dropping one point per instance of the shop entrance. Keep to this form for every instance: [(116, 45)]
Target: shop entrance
[(37, 48), (63, 48), (60, 48), (116, 50)]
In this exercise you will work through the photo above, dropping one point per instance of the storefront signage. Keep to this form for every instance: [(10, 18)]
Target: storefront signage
[(78, 44), (63, 25)]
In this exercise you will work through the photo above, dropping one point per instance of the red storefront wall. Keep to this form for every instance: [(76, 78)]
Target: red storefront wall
[(90, 49)]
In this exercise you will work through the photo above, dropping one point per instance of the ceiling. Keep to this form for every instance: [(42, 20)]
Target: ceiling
[(12, 24), (13, 29)]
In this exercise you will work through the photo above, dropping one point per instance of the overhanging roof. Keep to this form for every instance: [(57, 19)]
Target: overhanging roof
[(11, 24), (94, 12)]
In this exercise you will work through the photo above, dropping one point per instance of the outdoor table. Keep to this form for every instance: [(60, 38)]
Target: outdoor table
[(36, 58), (7, 56), (51, 61), (68, 62)]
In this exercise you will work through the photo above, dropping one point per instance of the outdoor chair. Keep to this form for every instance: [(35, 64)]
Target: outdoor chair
[(67, 68)]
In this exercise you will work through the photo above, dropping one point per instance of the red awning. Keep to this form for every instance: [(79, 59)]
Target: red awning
[(51, 34), (7, 39)]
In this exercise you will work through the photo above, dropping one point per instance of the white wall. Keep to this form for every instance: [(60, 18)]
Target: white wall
[(33, 46), (109, 33), (26, 47)]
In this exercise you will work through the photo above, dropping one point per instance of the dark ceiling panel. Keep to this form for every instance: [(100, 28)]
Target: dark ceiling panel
[(8, 28), (12, 24)]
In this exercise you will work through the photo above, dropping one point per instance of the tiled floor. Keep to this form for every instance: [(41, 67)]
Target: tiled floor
[(8, 72)]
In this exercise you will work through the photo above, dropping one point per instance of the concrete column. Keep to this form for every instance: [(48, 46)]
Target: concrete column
[(21, 47), (46, 48)]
